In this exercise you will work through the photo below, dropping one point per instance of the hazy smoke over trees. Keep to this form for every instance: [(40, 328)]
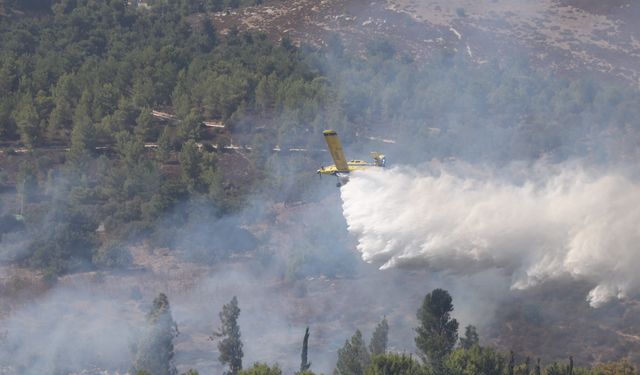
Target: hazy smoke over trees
[(155, 349), (182, 220)]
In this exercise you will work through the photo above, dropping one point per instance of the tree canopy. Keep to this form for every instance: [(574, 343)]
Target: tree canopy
[(230, 344), (437, 333)]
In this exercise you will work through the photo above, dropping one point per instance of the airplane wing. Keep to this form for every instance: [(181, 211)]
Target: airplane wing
[(335, 148)]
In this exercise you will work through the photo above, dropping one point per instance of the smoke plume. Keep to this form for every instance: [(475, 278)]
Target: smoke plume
[(68, 330), (533, 224)]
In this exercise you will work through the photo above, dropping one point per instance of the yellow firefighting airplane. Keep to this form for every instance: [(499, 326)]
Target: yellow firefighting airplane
[(342, 168)]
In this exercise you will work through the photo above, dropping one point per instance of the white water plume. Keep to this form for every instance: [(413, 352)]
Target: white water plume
[(564, 222)]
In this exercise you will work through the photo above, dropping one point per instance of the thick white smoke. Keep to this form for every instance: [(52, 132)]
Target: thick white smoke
[(545, 225)]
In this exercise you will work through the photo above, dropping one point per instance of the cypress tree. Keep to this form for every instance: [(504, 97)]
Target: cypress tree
[(570, 369), (512, 362), (304, 363)]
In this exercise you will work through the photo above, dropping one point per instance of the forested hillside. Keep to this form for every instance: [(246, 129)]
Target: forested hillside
[(88, 168)]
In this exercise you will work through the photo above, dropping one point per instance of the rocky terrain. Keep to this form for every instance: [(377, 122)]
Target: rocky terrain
[(572, 37)]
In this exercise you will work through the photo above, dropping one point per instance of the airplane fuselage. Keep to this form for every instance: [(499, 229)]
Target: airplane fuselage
[(352, 165), (342, 168)]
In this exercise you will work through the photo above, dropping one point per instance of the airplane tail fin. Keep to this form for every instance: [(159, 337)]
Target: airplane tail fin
[(379, 159)]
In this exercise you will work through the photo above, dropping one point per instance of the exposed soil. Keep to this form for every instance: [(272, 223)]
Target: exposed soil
[(571, 37)]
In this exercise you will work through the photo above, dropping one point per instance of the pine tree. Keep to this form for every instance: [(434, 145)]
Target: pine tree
[(155, 349), (28, 121), (142, 129), (165, 145), (61, 117), (353, 357), (378, 344), (130, 149), (265, 93), (437, 332), (470, 338), (189, 128), (59, 121), (304, 363), (83, 135), (230, 346), (191, 164)]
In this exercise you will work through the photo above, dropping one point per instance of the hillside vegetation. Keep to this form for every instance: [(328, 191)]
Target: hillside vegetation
[(86, 169), (85, 75)]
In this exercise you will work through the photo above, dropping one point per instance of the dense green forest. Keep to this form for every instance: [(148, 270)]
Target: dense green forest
[(87, 76), (84, 76)]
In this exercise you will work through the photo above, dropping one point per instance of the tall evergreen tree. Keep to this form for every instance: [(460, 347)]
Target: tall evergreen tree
[(59, 120), (230, 346), (353, 357), (512, 362), (143, 129), (61, 117), (470, 338), (189, 128), (165, 145), (83, 135), (304, 363), (378, 344), (28, 121), (155, 349), (191, 163), (437, 332), (130, 149), (570, 369)]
